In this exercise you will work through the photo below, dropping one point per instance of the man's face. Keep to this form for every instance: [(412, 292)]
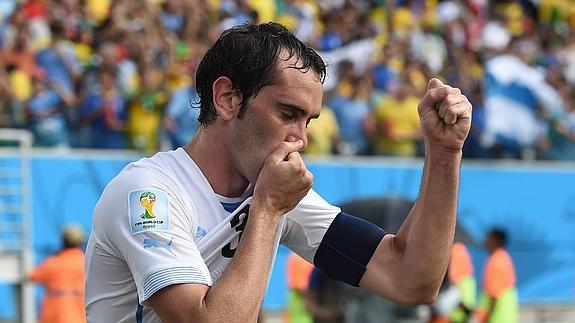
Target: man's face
[(280, 112), (491, 242)]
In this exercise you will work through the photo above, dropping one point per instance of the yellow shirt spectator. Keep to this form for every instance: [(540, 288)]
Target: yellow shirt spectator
[(402, 21), (21, 85), (266, 9), (84, 53), (98, 10), (145, 120), (398, 126)]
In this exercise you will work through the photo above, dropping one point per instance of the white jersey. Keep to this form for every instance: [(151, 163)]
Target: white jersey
[(159, 223)]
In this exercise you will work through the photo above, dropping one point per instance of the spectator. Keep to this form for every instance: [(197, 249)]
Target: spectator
[(462, 282), (181, 117), (145, 113), (353, 115), (397, 122), (330, 38), (324, 302), (46, 114), (104, 114), (52, 59), (559, 144), (499, 301), (298, 277), (429, 47), (513, 94), (63, 278), (20, 54), (561, 137), (473, 146), (5, 96)]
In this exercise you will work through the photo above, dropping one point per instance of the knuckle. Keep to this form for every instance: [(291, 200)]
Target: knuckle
[(442, 91), (442, 110), (452, 100)]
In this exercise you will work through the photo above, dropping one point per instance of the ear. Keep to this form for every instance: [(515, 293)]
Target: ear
[(226, 99)]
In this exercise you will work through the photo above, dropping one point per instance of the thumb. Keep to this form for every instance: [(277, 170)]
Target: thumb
[(434, 83), (436, 91), (284, 149)]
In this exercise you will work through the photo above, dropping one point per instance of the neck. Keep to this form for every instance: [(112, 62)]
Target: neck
[(215, 162)]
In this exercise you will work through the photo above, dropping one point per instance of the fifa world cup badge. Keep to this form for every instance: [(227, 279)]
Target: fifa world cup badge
[(148, 210)]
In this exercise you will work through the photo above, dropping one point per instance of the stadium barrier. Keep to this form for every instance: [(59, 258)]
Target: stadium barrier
[(534, 202)]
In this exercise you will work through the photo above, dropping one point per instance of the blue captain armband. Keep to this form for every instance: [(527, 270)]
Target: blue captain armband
[(347, 247)]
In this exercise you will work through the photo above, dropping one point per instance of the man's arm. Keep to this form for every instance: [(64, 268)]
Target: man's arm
[(238, 294), (410, 266)]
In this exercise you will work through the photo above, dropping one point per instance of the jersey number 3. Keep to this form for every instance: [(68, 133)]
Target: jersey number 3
[(238, 223)]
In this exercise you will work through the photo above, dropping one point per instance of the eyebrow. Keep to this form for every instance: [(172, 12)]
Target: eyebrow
[(297, 108)]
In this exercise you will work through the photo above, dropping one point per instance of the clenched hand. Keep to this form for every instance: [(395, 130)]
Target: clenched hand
[(445, 116), (284, 179)]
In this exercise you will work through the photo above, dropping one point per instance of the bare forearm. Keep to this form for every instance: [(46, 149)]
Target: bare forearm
[(410, 266), (238, 294), (427, 235)]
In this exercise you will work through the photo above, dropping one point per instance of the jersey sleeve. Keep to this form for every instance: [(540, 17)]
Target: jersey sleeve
[(321, 233), (145, 220), (306, 225)]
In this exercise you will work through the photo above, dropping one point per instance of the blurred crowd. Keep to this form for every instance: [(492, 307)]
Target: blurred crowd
[(120, 74)]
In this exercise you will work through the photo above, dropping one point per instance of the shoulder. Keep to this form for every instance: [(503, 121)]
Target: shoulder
[(499, 260), (155, 172), (144, 182)]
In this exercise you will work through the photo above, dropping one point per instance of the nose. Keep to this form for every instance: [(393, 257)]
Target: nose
[(298, 132)]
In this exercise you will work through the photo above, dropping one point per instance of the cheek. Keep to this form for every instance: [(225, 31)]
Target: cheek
[(252, 139), (265, 140), (268, 132), (260, 133)]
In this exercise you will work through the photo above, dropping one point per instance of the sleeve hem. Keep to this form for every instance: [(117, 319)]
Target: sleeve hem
[(172, 276)]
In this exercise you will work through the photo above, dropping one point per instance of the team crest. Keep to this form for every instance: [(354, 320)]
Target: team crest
[(148, 211)]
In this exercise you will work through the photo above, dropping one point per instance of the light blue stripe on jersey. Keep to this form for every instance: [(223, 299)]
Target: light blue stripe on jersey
[(231, 207), (171, 276)]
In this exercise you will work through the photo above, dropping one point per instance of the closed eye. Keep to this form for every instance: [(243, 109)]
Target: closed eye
[(288, 116), (293, 113)]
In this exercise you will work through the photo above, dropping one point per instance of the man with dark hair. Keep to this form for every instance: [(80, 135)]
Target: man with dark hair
[(223, 202), (496, 238), (499, 301)]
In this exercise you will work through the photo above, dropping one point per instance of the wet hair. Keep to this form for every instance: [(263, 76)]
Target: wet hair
[(499, 236), (248, 56)]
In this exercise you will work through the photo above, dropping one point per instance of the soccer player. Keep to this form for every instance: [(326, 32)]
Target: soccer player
[(190, 235)]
